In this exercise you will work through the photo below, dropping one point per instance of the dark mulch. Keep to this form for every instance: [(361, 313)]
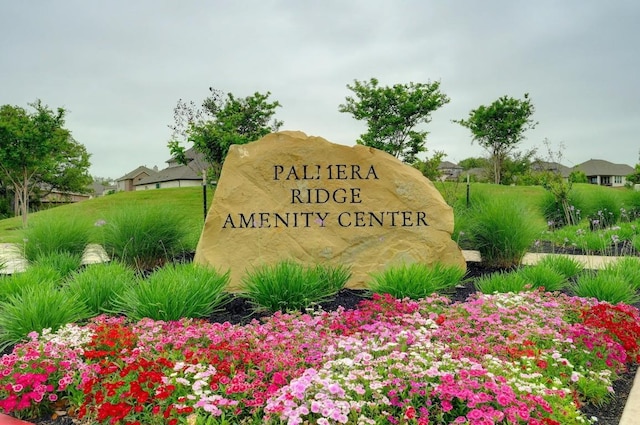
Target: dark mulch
[(238, 311)]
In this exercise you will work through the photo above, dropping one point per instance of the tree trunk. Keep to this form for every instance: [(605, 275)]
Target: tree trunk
[(25, 198)]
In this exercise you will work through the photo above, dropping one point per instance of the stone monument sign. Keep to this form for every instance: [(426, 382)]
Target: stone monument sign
[(289, 196)]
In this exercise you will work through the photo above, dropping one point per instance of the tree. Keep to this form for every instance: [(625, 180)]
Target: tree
[(38, 154), (499, 128), (429, 166), (392, 113), (471, 162), (222, 121)]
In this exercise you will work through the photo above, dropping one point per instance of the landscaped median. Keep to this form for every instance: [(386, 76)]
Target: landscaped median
[(532, 358)]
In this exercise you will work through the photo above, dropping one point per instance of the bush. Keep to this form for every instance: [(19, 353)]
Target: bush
[(627, 269), (502, 231), (173, 292), (554, 213), (502, 282), (65, 263), (416, 280), (145, 238), (542, 276), (36, 308), (98, 285), (33, 277), (566, 266), (65, 234), (608, 287), (290, 286)]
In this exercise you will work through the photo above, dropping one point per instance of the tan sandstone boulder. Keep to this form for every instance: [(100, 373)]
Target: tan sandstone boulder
[(290, 196)]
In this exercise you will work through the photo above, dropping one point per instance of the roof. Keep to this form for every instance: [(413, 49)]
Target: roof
[(600, 167), (181, 172), (135, 173), (555, 167), (449, 165)]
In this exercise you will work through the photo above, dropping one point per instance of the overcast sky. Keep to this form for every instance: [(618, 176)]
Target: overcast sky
[(120, 66)]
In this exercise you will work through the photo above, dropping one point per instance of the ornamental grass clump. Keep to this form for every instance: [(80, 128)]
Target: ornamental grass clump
[(502, 282), (605, 286), (627, 268), (568, 267), (290, 286), (38, 307), (98, 285), (65, 263), (502, 230), (144, 238), (173, 292), (543, 276), (46, 236), (416, 280), (32, 277)]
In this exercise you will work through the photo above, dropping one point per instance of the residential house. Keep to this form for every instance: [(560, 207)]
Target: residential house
[(449, 170), (553, 167), (605, 173), (129, 180), (176, 174)]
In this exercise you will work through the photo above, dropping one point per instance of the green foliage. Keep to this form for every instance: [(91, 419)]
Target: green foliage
[(64, 234), (471, 162), (429, 166), (34, 276), (499, 128), (543, 276), (224, 120), (290, 286), (36, 150), (578, 176), (144, 238), (392, 114), (36, 308), (98, 285), (566, 266), (502, 231), (626, 269), (416, 280), (502, 282), (174, 291), (609, 287), (65, 263)]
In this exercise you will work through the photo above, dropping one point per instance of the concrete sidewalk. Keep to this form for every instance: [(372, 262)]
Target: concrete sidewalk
[(14, 262)]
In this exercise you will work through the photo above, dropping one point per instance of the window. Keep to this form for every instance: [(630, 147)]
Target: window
[(617, 179)]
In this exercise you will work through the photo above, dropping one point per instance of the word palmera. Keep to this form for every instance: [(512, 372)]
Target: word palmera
[(265, 220)]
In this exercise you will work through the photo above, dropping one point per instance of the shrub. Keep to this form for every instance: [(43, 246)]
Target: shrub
[(568, 267), (627, 269), (173, 292), (98, 285), (416, 280), (502, 282), (502, 231), (608, 287), (34, 276), (38, 307), (555, 214), (144, 238), (46, 236), (290, 286), (542, 276), (63, 262)]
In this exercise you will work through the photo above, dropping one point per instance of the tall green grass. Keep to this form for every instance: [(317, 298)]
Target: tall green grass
[(33, 277), (416, 280), (502, 230), (174, 292), (98, 285), (610, 287), (145, 238), (46, 236), (36, 308), (291, 286)]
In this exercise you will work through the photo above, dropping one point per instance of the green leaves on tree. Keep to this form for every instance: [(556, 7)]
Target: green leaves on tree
[(393, 113)]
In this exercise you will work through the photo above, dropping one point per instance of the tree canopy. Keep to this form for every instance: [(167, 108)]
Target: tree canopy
[(38, 154), (393, 113), (499, 128), (222, 120)]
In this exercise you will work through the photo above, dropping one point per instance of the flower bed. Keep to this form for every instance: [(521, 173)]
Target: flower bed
[(529, 358)]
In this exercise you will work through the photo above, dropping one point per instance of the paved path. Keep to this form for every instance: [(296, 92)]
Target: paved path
[(14, 262)]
